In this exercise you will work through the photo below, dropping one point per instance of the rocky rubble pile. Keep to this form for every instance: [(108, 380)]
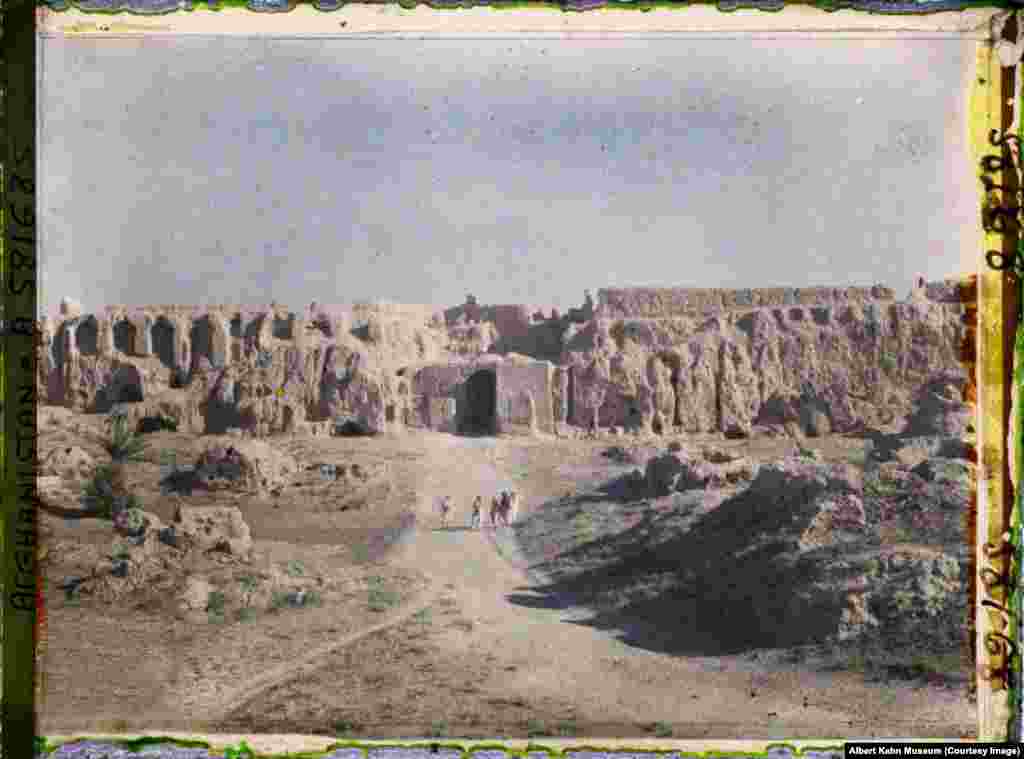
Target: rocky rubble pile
[(678, 471)]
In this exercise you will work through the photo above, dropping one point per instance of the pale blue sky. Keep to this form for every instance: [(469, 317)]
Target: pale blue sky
[(197, 170)]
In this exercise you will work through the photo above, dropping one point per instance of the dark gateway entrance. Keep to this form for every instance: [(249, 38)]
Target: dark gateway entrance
[(481, 404)]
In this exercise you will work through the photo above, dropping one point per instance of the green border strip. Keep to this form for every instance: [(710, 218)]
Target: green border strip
[(18, 270), (243, 751), (1016, 726)]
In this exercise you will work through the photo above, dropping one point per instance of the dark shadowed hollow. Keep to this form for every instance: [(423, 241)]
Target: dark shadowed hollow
[(481, 404)]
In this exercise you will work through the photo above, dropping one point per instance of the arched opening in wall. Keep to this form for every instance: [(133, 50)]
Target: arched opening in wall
[(57, 347), (201, 337), (251, 332), (236, 327), (677, 379), (570, 405), (634, 419), (656, 425), (282, 328), (126, 386), (480, 417), (87, 336), (163, 342), (124, 337), (288, 419)]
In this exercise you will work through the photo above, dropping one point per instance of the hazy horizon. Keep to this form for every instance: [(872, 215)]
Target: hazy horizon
[(524, 171)]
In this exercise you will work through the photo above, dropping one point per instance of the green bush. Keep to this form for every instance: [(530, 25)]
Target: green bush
[(382, 600), (215, 602), (567, 727), (535, 728), (295, 568), (662, 730), (344, 727), (98, 493)]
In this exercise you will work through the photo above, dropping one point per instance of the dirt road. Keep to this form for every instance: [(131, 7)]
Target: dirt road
[(611, 683)]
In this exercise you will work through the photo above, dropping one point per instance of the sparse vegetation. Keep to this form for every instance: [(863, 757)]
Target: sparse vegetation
[(246, 614), (567, 727), (215, 602), (661, 730), (536, 729), (124, 446), (381, 599), (438, 729), (295, 568), (422, 617), (343, 727)]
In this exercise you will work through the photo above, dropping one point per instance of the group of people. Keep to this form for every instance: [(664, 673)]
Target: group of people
[(503, 509)]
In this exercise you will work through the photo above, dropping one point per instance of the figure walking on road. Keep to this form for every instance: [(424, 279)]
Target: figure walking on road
[(446, 507), (475, 519)]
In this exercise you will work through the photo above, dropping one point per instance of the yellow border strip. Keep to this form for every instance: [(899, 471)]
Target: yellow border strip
[(998, 297)]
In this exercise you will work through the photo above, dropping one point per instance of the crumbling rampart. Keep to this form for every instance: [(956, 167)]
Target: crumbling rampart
[(645, 358)]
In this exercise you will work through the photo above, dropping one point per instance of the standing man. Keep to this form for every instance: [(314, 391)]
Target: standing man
[(446, 507), (475, 519)]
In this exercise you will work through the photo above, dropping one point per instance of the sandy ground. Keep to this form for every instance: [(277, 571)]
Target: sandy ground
[(467, 651)]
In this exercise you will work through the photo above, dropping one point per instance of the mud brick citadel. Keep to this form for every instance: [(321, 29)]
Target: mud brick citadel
[(738, 362)]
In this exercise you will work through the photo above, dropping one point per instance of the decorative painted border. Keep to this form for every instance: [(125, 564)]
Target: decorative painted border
[(156, 7), (996, 319), (17, 352), (994, 107)]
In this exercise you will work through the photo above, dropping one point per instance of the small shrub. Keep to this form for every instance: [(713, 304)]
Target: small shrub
[(120, 551), (312, 598), (438, 729), (344, 727), (134, 518), (535, 728), (422, 616), (215, 617), (295, 568), (249, 583), (215, 602), (278, 600), (98, 492), (382, 600), (247, 614), (567, 727), (662, 730), (243, 751)]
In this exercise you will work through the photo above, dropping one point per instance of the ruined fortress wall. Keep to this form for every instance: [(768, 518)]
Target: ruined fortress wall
[(437, 384), (516, 383), (657, 303), (421, 314), (722, 373)]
